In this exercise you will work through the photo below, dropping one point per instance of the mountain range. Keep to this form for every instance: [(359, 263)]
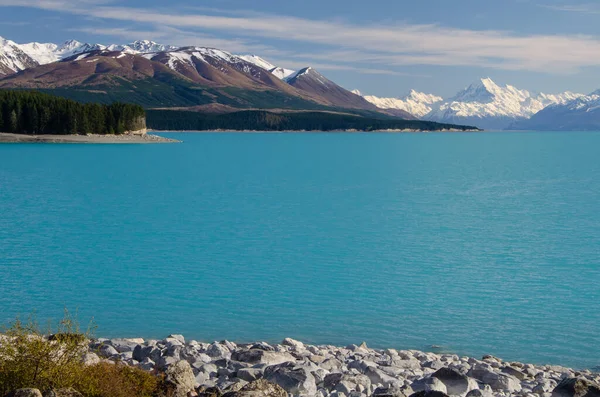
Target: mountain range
[(216, 81), (163, 76), (483, 103)]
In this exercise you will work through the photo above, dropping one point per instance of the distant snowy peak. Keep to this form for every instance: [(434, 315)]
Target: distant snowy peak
[(485, 98), (13, 58), (16, 57), (277, 71), (145, 46), (416, 103)]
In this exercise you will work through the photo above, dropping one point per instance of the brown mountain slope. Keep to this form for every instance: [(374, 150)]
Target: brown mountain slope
[(187, 77), (311, 81)]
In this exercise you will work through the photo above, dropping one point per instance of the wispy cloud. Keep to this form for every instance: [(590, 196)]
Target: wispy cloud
[(364, 47), (586, 8)]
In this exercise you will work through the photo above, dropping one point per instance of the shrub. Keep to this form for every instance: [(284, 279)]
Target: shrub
[(116, 380), (29, 359)]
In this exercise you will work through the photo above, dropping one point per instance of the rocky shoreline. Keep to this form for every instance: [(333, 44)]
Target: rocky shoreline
[(133, 137), (227, 368)]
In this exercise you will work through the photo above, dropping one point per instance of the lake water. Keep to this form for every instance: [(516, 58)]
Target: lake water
[(479, 243)]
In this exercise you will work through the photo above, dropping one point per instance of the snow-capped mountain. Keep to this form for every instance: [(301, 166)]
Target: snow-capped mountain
[(13, 58), (582, 113), (44, 53), (16, 57), (280, 72), (192, 62), (488, 105), (416, 103), (483, 103), (311, 81)]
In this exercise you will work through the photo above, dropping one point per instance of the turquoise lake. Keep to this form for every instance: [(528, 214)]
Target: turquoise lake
[(480, 243)]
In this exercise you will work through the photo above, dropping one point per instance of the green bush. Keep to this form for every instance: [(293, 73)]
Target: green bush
[(29, 358)]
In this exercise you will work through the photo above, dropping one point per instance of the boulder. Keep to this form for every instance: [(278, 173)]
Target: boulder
[(576, 387), (25, 393), (249, 374), (259, 356), (429, 384), (498, 381), (429, 393), (514, 372), (378, 376), (178, 338), (392, 391), (180, 379), (294, 379), (107, 351), (344, 383), (90, 358), (455, 382), (123, 345), (478, 393), (217, 350), (259, 388), (294, 344), (142, 352)]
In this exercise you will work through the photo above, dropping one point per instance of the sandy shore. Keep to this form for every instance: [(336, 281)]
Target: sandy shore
[(91, 138)]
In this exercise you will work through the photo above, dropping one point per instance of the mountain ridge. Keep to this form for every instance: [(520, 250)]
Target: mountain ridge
[(483, 103)]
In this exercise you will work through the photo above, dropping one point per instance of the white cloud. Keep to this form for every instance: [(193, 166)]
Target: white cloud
[(386, 46)]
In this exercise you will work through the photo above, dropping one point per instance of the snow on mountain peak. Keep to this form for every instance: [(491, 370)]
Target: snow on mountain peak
[(485, 98), (416, 103)]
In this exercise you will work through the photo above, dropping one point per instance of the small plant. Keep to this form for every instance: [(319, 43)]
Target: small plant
[(30, 358)]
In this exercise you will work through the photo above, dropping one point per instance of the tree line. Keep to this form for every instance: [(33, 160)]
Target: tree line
[(260, 120), (27, 112)]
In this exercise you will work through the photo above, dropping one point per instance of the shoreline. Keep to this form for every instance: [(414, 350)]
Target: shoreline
[(352, 371), (314, 131), (126, 138)]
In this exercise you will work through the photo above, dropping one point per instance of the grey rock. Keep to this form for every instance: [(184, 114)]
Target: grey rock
[(576, 387), (107, 351), (178, 338), (90, 358), (25, 393), (142, 352), (217, 350), (258, 356), (259, 388), (123, 345), (295, 380), (263, 346), (147, 364), (377, 376), (250, 374), (331, 364), (429, 384), (294, 344), (455, 382), (514, 372), (429, 393), (180, 378), (392, 391), (478, 393)]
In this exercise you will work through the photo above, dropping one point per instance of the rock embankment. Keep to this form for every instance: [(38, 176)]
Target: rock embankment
[(131, 137), (295, 369)]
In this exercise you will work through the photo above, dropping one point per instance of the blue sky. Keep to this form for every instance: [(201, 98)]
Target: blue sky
[(383, 47)]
